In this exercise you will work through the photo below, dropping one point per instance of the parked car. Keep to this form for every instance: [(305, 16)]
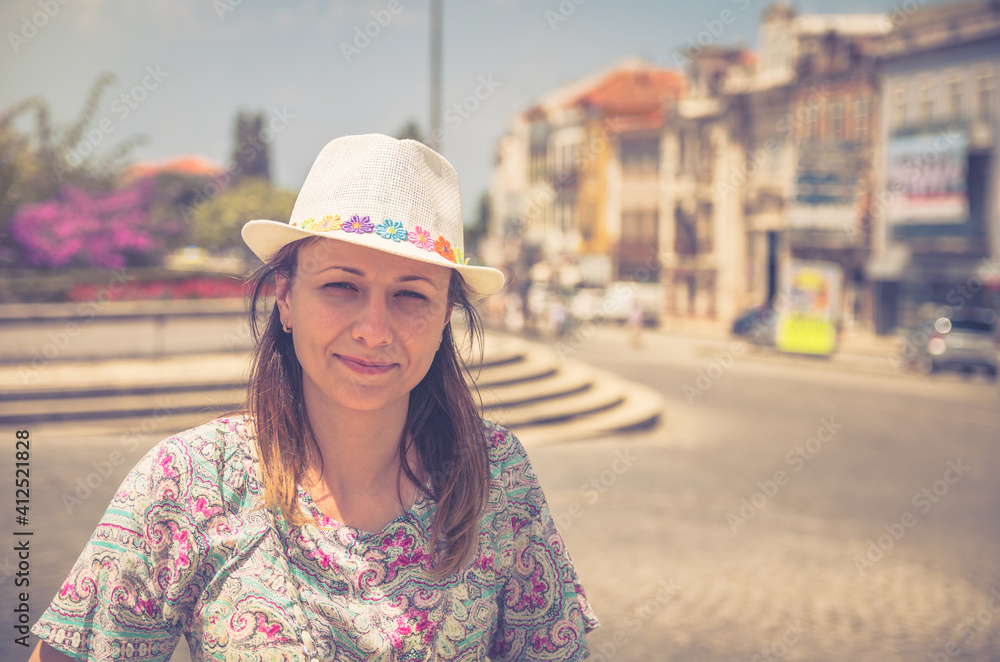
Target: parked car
[(757, 325), (965, 340)]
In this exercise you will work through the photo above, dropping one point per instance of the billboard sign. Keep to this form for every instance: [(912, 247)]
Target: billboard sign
[(827, 184), (926, 176)]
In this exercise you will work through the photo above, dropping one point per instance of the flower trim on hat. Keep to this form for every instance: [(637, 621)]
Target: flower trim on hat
[(389, 230), (328, 224), (443, 248), (359, 225), (421, 238)]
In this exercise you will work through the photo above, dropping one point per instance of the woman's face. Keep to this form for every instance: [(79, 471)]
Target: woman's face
[(365, 324)]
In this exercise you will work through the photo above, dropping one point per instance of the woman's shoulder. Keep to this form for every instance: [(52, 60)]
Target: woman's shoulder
[(503, 447), (214, 453), (511, 470)]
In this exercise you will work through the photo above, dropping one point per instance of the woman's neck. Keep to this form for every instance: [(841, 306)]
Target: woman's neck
[(360, 449)]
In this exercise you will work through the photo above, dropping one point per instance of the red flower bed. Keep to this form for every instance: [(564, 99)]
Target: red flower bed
[(194, 287)]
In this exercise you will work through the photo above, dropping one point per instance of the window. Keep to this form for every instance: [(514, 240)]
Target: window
[(926, 102), (986, 92), (810, 121), (955, 99), (640, 156), (899, 107), (861, 119), (837, 120)]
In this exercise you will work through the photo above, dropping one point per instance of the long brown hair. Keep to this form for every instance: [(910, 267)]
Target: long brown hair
[(443, 424)]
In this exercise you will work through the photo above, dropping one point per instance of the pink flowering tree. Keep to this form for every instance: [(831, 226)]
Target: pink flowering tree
[(98, 229)]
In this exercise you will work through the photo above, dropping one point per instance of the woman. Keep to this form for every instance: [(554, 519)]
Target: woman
[(359, 508)]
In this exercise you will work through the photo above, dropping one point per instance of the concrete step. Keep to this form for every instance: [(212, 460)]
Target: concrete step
[(641, 409), (125, 403), (559, 409), (571, 379), (523, 386), (532, 366)]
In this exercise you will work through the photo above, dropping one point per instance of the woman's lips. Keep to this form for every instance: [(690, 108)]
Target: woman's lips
[(363, 367)]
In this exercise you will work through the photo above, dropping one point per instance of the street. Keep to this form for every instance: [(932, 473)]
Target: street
[(783, 510)]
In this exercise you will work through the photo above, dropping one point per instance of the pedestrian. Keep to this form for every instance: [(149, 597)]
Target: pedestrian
[(358, 507), (634, 322)]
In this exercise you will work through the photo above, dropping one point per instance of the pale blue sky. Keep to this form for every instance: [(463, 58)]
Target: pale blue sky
[(287, 56)]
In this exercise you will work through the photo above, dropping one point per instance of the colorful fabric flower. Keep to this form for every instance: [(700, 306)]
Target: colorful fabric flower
[(328, 224), (391, 230), (359, 224), (443, 248), (460, 257), (421, 238)]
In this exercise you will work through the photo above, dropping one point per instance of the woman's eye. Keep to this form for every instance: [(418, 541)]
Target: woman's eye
[(339, 286), (412, 295)]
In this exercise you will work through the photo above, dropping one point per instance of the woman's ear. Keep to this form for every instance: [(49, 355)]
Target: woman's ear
[(282, 295)]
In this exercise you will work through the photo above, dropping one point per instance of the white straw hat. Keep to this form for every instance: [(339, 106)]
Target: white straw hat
[(397, 196)]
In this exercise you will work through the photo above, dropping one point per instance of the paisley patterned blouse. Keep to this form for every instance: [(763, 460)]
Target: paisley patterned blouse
[(185, 548)]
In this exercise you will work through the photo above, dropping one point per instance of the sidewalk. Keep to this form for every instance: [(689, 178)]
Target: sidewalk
[(850, 342), (865, 352)]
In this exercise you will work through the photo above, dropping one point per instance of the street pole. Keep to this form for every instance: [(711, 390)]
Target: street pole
[(435, 123)]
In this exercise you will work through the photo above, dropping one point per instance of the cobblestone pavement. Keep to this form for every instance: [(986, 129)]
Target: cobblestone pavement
[(649, 518), (670, 580), (849, 559)]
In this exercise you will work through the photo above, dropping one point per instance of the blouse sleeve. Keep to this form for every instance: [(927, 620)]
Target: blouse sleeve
[(131, 591), (544, 613)]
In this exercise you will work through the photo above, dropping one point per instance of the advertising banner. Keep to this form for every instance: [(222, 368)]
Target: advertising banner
[(827, 183), (926, 177), (807, 320)]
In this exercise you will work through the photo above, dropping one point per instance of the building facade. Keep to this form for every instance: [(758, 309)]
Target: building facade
[(577, 177), (936, 218)]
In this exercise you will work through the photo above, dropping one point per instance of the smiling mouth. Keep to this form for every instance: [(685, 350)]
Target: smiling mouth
[(365, 367)]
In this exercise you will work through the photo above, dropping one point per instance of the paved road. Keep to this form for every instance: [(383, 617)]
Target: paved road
[(789, 573), (677, 565)]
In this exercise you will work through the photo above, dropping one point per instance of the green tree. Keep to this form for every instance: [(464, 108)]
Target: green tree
[(216, 223), (250, 153), (410, 131)]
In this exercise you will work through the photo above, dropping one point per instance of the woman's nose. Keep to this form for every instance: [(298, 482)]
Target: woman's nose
[(373, 326)]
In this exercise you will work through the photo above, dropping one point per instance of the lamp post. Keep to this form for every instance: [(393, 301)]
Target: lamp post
[(435, 123)]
